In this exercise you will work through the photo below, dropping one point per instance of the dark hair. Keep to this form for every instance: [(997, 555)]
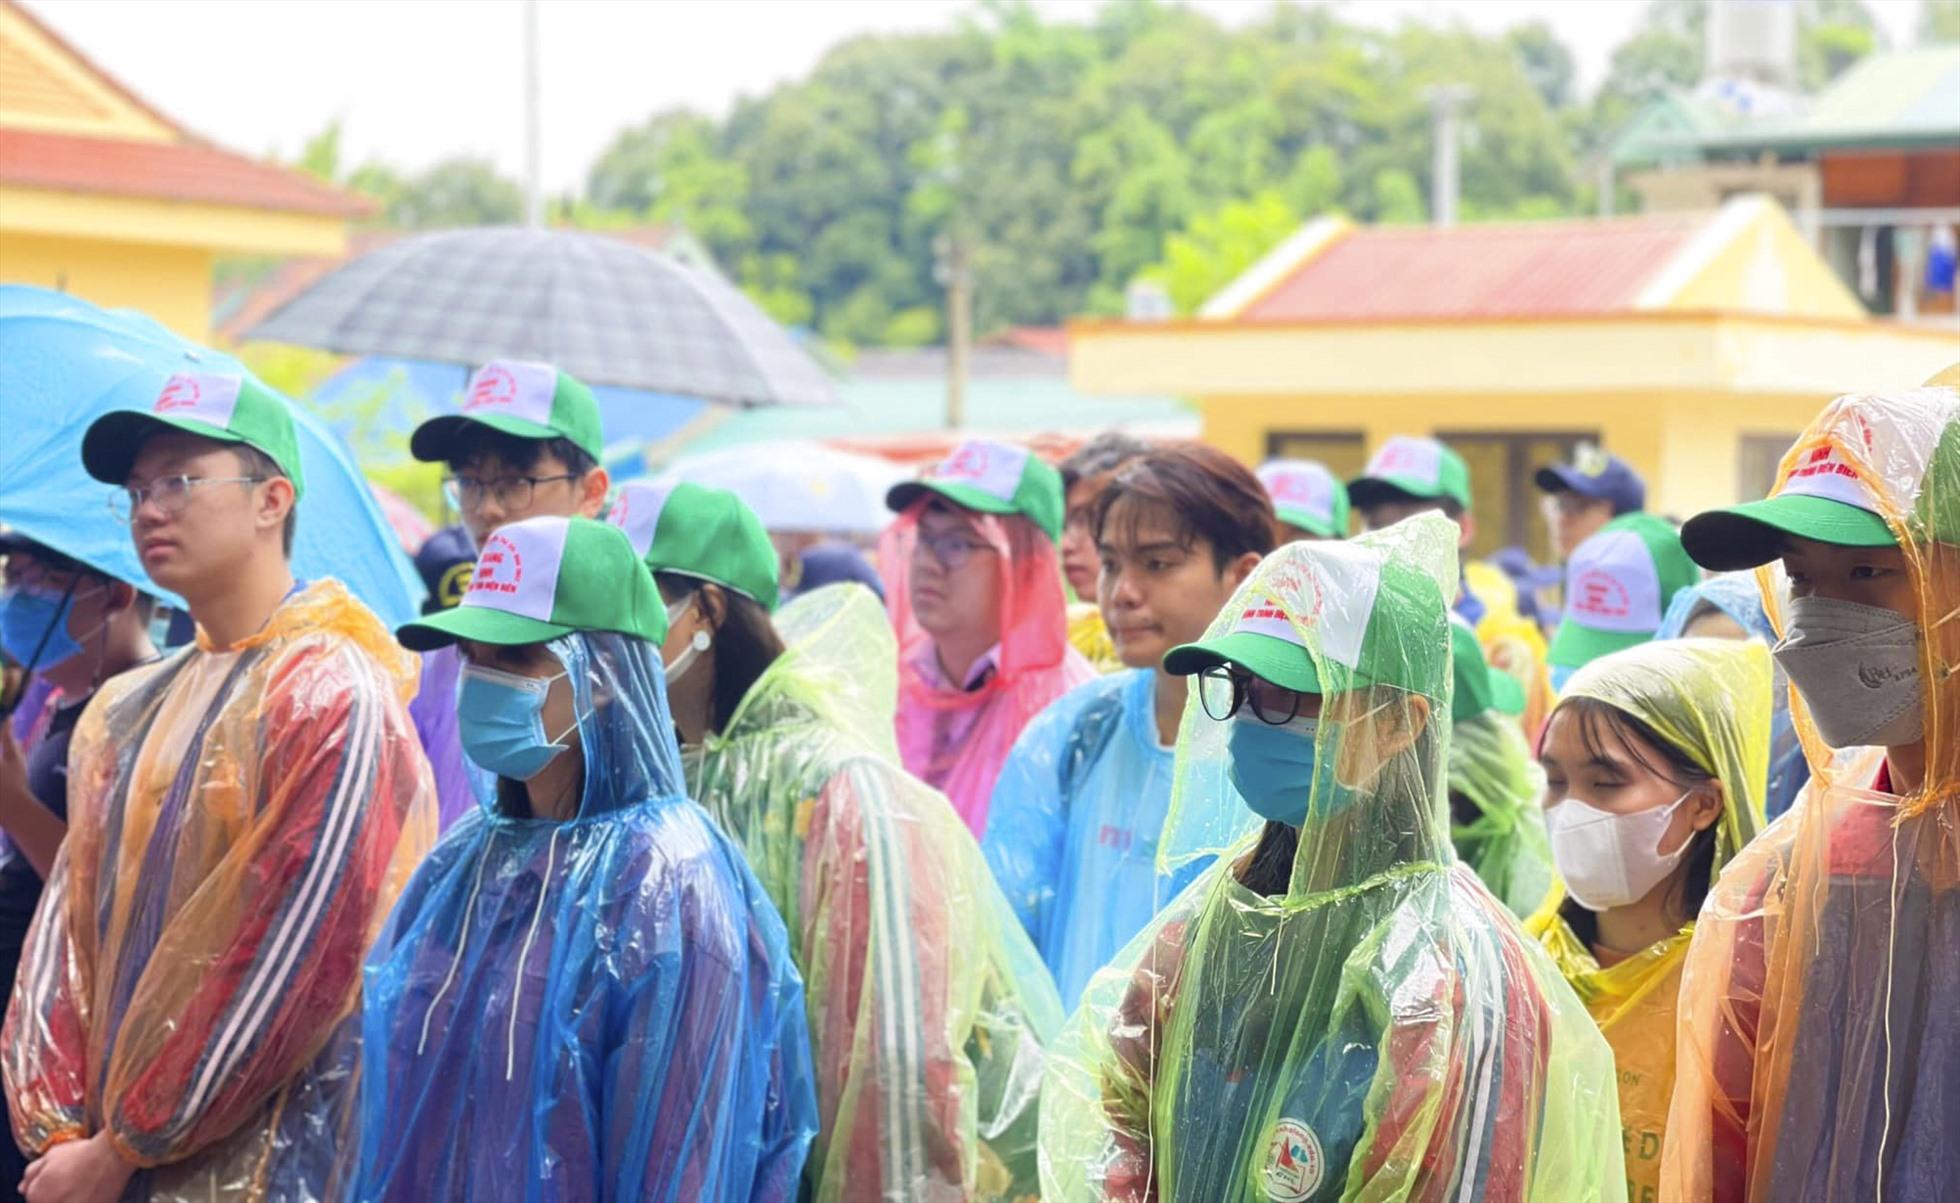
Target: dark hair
[(476, 442), (1106, 452), (258, 463), (1663, 760), (1270, 871), (1205, 494), (1390, 495), (746, 642)]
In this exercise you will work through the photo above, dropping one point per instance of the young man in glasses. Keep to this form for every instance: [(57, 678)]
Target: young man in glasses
[(1072, 833), (241, 817), (525, 445)]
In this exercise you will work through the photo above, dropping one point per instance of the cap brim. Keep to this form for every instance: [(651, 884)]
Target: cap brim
[(1365, 491), (479, 625), (112, 441), (1555, 478), (901, 496), (435, 439), (1575, 646), (1311, 523), (1286, 665), (1752, 534)]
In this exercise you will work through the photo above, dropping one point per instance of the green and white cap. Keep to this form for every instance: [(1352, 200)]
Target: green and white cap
[(541, 578), (226, 407), (1361, 604), (992, 478), (1911, 438), (528, 400), (1617, 586), (1479, 687), (1407, 465), (700, 532), (1305, 494)]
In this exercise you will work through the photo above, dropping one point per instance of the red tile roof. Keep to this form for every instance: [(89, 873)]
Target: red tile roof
[(176, 171), (1497, 270)]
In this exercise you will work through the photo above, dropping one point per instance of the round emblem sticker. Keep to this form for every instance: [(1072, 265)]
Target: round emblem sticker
[(1294, 1164)]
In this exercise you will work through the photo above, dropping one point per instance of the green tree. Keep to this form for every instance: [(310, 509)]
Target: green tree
[(1219, 246), (1939, 21)]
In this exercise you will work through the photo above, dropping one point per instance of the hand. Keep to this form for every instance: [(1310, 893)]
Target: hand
[(80, 1171)]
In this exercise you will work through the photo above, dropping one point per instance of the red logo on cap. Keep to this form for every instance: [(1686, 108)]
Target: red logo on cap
[(500, 569), (621, 507), (968, 463), (181, 393), (1398, 457), (1600, 593), (493, 385), (1823, 461), (1297, 488)]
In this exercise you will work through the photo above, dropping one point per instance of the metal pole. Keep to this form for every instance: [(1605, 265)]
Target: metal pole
[(1444, 101), (533, 135), (959, 320)]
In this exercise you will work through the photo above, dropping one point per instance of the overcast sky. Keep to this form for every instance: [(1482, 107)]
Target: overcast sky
[(413, 81)]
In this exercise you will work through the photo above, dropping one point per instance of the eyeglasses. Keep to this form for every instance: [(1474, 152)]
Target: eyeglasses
[(171, 494), (511, 492), (951, 551), (1222, 689)]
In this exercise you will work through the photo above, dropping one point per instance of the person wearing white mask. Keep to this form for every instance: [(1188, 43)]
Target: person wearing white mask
[(1655, 762), (929, 1007)]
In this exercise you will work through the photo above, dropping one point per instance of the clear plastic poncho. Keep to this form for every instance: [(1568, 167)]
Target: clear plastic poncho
[(1505, 844), (1708, 698), (1073, 831), (239, 822), (928, 1008), (1377, 1028), (1818, 1041), (1737, 595), (602, 1008), (954, 739)]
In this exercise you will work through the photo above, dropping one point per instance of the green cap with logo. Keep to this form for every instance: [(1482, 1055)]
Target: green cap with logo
[(1306, 495), (516, 397), (225, 407), (1479, 687), (1824, 498), (700, 532), (1376, 614), (1408, 466), (992, 478), (541, 578), (1618, 585)]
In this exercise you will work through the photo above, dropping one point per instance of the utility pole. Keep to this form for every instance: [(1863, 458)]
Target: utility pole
[(1445, 101), (533, 134), (959, 326)]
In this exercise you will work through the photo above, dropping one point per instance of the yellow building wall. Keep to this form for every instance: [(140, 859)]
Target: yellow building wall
[(43, 87), (170, 283), (1769, 268)]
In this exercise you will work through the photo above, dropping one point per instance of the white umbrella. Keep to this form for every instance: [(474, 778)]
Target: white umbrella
[(798, 485)]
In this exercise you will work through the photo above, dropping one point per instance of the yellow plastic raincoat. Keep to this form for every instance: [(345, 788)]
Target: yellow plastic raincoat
[(240, 822), (1819, 1035), (1364, 1021), (928, 1005), (1711, 700)]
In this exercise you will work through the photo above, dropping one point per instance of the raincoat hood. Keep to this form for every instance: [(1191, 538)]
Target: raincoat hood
[(1491, 766), (549, 997), (955, 739), (1819, 1046)]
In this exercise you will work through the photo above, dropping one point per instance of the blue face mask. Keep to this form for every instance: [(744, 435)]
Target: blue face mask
[(34, 629), (500, 721), (1273, 767)]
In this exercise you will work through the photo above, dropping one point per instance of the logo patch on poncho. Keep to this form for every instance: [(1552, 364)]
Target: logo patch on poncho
[(1294, 1164)]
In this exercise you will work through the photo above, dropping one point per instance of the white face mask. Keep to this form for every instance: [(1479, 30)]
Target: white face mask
[(1610, 860), (695, 646)]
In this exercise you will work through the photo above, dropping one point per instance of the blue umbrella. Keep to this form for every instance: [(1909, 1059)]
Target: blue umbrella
[(65, 362)]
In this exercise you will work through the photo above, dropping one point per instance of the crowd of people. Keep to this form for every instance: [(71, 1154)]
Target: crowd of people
[(1135, 831)]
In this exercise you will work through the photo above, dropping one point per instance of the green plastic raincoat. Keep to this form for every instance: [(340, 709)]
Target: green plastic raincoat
[(928, 1006), (1492, 769), (1368, 1024), (1710, 699)]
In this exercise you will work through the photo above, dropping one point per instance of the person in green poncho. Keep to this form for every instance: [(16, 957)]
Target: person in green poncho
[(1494, 786), (1338, 1009), (928, 1006)]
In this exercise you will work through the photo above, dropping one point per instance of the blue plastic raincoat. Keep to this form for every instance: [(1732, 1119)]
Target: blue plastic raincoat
[(1073, 827), (597, 1009)]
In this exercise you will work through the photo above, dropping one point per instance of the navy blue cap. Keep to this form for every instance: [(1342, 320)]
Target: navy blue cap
[(1594, 473), (445, 561), (832, 563)]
